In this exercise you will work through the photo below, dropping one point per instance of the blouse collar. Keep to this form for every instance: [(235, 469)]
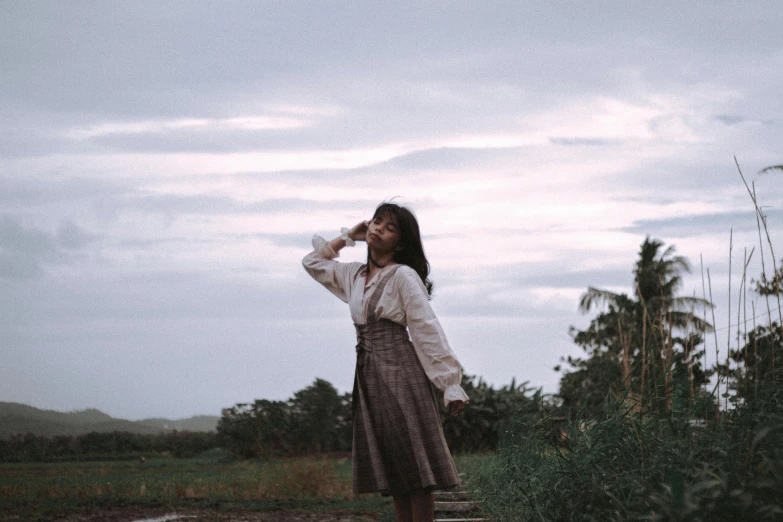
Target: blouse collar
[(377, 276)]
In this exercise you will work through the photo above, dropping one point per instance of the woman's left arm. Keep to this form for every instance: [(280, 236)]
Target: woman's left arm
[(432, 348)]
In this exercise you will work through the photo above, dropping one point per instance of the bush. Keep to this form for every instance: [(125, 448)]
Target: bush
[(626, 465)]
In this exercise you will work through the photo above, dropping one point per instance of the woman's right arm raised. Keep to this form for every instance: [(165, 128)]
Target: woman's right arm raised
[(357, 233), (321, 264)]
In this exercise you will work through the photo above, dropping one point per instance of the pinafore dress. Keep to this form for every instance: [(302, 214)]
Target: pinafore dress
[(398, 442)]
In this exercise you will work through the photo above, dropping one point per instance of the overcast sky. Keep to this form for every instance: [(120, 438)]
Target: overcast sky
[(164, 165)]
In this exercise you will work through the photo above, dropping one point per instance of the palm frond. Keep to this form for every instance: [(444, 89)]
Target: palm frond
[(597, 297), (685, 319), (771, 168), (682, 303)]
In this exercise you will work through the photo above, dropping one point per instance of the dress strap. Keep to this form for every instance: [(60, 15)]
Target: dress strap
[(376, 294)]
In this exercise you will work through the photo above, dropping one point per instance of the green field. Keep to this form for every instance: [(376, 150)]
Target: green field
[(46, 491)]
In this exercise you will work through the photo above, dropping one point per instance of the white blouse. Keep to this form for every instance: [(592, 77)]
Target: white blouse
[(404, 301)]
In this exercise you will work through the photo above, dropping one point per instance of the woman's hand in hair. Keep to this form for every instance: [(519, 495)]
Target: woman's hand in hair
[(455, 407), (359, 231)]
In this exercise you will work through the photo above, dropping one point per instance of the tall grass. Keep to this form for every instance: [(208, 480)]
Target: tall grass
[(631, 467)]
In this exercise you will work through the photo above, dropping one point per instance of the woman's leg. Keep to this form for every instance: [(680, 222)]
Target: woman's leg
[(402, 508), (422, 506)]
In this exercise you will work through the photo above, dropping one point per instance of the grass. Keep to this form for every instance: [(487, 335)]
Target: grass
[(41, 490), (627, 467)]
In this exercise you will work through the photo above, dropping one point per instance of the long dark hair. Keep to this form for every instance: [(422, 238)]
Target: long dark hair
[(411, 252)]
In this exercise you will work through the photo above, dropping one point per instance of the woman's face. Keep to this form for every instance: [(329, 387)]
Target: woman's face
[(383, 233)]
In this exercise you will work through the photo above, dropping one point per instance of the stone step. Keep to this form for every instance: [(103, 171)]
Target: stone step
[(468, 506), (459, 519), (451, 495), (449, 505)]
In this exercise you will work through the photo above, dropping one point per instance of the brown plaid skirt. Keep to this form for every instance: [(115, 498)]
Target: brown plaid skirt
[(398, 442)]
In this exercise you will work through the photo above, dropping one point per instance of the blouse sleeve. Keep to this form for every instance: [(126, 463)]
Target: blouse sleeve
[(321, 265), (439, 362)]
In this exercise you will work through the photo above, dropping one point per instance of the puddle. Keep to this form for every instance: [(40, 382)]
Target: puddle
[(164, 518)]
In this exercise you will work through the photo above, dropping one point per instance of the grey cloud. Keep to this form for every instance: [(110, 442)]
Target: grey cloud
[(730, 119), (71, 237), (696, 224), (485, 292), (160, 295), (449, 235), (14, 265), (26, 250), (448, 158), (108, 197), (526, 275), (216, 141), (22, 141), (25, 192), (286, 240), (28, 240), (583, 142), (671, 178), (143, 244), (734, 119), (141, 63), (216, 205)]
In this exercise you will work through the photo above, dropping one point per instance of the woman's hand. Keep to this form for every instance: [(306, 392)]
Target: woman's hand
[(359, 231), (455, 407)]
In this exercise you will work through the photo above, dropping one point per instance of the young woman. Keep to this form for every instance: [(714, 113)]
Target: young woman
[(398, 443)]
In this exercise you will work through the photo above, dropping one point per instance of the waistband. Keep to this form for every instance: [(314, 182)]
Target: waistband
[(380, 336)]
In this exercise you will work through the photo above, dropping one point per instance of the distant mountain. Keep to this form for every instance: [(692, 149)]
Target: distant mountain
[(197, 423), (18, 418)]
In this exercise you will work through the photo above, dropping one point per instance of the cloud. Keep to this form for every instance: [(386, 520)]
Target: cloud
[(734, 119), (206, 204), (26, 250), (156, 127), (584, 142), (71, 237), (694, 225), (23, 192)]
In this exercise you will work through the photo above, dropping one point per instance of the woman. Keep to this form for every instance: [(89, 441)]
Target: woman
[(398, 443)]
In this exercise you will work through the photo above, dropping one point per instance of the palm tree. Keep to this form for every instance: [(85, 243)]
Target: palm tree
[(648, 334)]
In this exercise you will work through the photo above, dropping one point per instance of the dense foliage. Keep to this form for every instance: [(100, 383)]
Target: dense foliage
[(105, 446), (631, 466), (318, 419), (488, 414)]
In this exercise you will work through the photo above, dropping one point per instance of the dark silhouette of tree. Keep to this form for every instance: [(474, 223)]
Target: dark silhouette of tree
[(257, 429), (643, 346), (316, 419), (760, 358), (487, 415), (321, 419)]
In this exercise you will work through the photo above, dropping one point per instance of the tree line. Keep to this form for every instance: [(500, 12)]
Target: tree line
[(105, 446), (315, 420), (318, 419)]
